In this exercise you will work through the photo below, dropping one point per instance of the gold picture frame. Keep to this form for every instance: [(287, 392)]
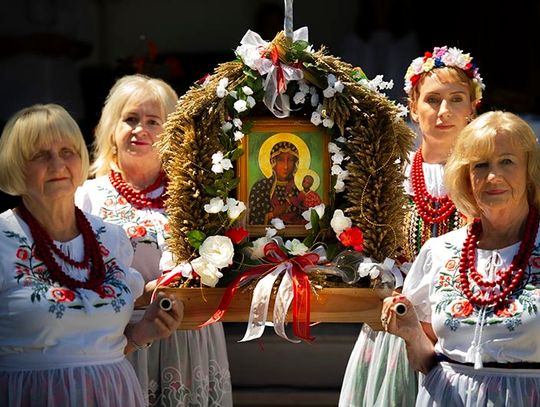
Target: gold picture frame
[(285, 169)]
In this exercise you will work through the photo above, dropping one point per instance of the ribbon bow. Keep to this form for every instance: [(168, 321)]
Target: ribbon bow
[(263, 56), (294, 288)]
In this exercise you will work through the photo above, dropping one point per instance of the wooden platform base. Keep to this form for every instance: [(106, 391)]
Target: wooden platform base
[(338, 305)]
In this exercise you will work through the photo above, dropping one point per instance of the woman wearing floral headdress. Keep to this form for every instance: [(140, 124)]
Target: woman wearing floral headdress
[(191, 367), (444, 87), (275, 197)]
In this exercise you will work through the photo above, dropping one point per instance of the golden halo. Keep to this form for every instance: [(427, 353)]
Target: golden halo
[(299, 177), (304, 160)]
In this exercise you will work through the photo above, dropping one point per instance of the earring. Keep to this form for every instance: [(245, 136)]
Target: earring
[(114, 150)]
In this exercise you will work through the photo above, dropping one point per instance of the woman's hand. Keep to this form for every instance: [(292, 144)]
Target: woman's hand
[(155, 324), (399, 318)]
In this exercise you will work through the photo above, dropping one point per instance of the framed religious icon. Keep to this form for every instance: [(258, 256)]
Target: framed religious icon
[(284, 171)]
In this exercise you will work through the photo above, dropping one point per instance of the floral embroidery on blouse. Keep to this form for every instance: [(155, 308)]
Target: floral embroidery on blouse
[(457, 308), (30, 271), (116, 209)]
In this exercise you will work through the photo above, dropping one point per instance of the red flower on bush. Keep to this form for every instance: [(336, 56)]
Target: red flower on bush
[(461, 308), (62, 294), (236, 234), (352, 237)]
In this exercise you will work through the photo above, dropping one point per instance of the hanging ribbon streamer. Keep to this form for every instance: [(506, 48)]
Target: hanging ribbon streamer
[(294, 276)]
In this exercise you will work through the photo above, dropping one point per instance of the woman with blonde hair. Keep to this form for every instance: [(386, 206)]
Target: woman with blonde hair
[(190, 367), (444, 88), (472, 324), (67, 290)]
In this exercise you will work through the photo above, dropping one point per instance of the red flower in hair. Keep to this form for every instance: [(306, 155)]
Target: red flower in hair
[(414, 79), (352, 237), (427, 55), (236, 234)]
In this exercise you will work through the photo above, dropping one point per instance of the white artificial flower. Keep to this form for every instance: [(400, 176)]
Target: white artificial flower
[(235, 208), (238, 135), (223, 82), (340, 186), (367, 267), (307, 214), (217, 250), (216, 205), (329, 123), (240, 106), (237, 123), (219, 164), (340, 222), (207, 271), (251, 101), (270, 232), (221, 92), (333, 148), (247, 90), (257, 251), (299, 98), (331, 78), (233, 94), (336, 170), (226, 126), (314, 99), (316, 118), (329, 92), (277, 223), (303, 86), (296, 247), (343, 175), (341, 139), (337, 158), (338, 86)]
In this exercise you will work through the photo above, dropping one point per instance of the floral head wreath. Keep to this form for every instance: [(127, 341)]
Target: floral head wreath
[(439, 58)]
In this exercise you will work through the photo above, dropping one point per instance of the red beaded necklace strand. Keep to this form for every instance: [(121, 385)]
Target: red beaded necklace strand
[(508, 279), (139, 199), (426, 204), (45, 247)]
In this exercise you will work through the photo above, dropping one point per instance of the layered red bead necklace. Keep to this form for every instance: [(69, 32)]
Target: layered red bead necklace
[(45, 247), (508, 279), (139, 199), (432, 209)]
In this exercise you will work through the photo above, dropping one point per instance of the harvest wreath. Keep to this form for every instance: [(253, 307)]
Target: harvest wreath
[(348, 232)]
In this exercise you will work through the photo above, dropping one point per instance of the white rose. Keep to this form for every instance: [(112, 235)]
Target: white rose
[(217, 250), (208, 273), (340, 222), (240, 106), (277, 223), (247, 90)]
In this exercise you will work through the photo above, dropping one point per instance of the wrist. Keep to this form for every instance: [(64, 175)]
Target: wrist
[(134, 340)]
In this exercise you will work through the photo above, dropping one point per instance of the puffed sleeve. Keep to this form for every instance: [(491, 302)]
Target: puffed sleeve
[(419, 280), (82, 197), (134, 279)]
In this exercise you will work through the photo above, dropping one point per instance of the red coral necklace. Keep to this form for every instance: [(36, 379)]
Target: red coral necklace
[(507, 279), (139, 199), (432, 209), (45, 247)]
